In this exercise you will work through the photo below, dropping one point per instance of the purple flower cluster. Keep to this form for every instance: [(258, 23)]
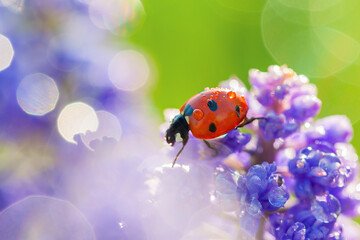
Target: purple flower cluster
[(287, 154), (309, 220), (317, 172), (288, 100), (260, 190)]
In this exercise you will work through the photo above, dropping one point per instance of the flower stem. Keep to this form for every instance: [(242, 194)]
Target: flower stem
[(266, 152)]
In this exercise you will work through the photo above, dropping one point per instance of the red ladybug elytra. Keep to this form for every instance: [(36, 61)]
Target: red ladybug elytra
[(208, 115)]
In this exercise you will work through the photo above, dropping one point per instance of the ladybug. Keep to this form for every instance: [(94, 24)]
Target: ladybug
[(208, 114)]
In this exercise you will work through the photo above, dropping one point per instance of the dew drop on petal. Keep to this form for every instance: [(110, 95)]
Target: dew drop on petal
[(318, 172), (325, 208), (129, 70), (278, 197), (241, 213), (254, 208), (300, 163), (7, 52), (121, 225), (37, 94), (40, 217), (76, 118), (109, 127)]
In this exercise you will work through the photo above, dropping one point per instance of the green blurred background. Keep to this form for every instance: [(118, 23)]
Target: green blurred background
[(198, 43)]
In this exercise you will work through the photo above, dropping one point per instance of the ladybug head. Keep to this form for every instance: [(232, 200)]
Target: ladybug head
[(179, 128)]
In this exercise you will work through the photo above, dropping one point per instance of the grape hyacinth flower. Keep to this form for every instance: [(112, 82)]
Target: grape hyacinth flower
[(288, 176), (289, 100), (260, 190)]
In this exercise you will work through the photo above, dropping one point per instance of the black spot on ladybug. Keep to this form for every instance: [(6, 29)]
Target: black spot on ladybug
[(237, 109), (212, 105), (188, 110), (212, 127)]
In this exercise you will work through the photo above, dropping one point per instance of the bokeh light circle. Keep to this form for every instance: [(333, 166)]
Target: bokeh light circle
[(109, 127), (116, 15), (14, 5), (76, 118), (129, 70), (37, 94), (302, 35), (40, 217), (6, 52)]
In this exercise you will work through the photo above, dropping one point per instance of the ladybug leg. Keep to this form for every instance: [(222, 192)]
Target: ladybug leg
[(248, 120), (211, 147), (184, 142)]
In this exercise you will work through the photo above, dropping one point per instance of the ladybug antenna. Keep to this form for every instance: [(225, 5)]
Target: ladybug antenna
[(179, 129)]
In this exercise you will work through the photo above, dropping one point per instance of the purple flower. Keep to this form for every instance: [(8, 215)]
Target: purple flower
[(317, 170), (288, 98), (276, 126), (236, 140), (334, 129), (303, 107), (261, 189), (313, 220)]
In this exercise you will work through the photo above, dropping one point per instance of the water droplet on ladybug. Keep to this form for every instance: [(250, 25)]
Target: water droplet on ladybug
[(198, 114), (231, 94)]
